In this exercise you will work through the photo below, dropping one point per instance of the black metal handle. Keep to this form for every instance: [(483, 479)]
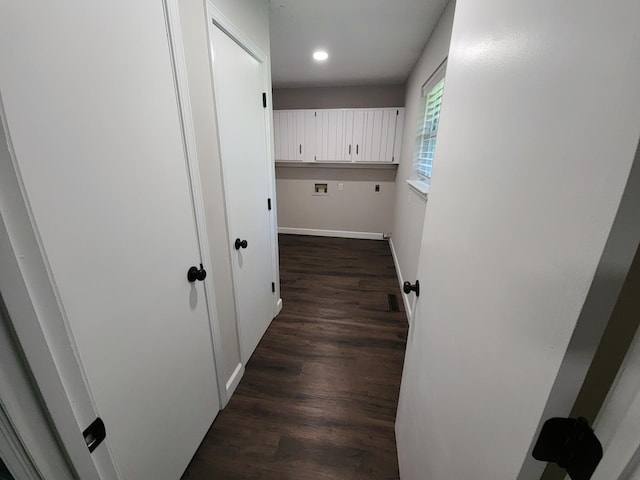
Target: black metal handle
[(300, 149), (572, 444), (240, 244), (94, 434), (349, 149), (357, 145), (408, 288), (195, 273)]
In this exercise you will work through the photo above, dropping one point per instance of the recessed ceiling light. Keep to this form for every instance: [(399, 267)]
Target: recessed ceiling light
[(320, 55)]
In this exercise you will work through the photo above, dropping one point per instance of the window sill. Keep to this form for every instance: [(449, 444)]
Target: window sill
[(420, 187)]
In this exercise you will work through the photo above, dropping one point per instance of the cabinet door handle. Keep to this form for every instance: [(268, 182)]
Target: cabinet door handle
[(357, 149), (349, 149), (300, 149)]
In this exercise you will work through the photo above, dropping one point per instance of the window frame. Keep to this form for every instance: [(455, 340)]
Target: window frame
[(436, 77)]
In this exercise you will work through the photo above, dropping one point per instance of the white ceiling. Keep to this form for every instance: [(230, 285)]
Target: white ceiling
[(368, 41)]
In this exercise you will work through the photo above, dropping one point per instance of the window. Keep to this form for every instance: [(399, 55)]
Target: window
[(428, 124)]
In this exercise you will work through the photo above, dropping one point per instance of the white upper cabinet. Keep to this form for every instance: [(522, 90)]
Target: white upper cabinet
[(289, 134), (356, 140), (330, 135), (368, 135)]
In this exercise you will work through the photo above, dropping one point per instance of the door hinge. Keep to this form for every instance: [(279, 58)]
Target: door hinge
[(264, 99), (273, 287), (268, 203), (571, 443), (94, 434)]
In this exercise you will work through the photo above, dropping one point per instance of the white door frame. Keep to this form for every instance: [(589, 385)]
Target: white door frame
[(617, 422), (13, 453), (31, 295), (28, 445), (215, 18)]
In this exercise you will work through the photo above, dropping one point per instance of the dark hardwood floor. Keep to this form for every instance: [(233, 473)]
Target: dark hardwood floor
[(318, 398)]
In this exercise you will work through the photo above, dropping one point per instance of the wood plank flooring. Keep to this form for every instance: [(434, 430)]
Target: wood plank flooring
[(318, 398)]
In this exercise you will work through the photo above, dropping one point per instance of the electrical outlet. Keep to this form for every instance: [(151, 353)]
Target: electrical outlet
[(341, 186)]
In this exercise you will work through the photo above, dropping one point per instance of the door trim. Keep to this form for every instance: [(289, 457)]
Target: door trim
[(216, 19)]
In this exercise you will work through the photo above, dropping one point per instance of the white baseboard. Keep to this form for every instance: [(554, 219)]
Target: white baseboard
[(405, 297), (331, 233), (278, 306), (233, 381)]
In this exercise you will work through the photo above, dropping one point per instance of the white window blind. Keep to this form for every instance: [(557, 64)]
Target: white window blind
[(428, 126)]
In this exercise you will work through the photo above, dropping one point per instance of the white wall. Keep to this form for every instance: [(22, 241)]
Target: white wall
[(409, 210), (361, 96), (252, 18), (357, 208)]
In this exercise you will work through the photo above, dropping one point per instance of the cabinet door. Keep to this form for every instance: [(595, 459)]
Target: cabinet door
[(276, 135), (299, 126), (389, 119), (285, 144), (357, 139), (321, 128), (348, 149), (309, 136), (373, 135), (335, 136), (397, 143), (289, 135)]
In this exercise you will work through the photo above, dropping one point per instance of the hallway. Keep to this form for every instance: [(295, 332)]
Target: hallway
[(319, 395)]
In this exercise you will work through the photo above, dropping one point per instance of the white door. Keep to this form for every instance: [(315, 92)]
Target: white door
[(518, 275), (95, 127), (239, 83)]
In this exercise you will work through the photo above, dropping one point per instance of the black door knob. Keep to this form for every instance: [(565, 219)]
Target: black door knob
[(408, 288), (195, 273), (240, 244)]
